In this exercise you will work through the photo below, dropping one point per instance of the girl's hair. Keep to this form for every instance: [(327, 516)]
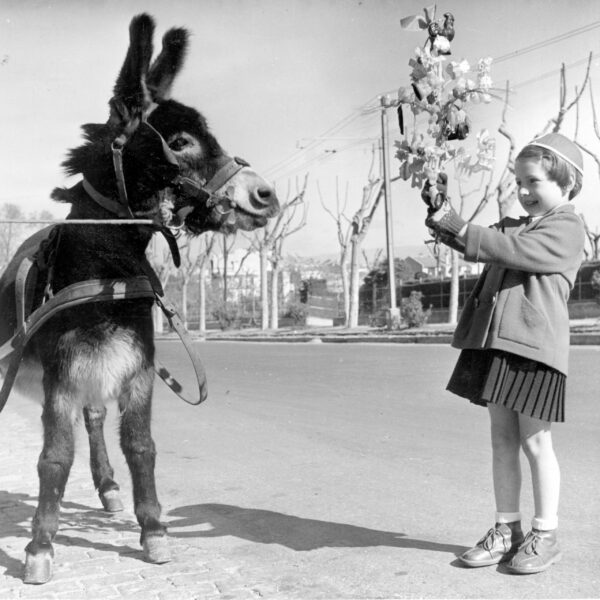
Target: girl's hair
[(556, 168)]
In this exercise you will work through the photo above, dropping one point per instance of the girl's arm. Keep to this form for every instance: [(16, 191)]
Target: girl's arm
[(551, 246)]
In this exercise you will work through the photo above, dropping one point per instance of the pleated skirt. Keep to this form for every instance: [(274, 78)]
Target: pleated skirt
[(520, 384)]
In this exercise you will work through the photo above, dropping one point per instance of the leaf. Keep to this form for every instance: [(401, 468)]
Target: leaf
[(430, 13), (413, 23)]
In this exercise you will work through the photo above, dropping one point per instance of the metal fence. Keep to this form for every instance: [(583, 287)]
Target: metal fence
[(436, 293)]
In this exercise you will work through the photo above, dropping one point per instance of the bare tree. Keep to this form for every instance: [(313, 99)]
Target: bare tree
[(372, 193), (269, 241), (343, 234), (286, 225), (593, 238), (11, 234), (351, 233), (207, 247), (195, 253)]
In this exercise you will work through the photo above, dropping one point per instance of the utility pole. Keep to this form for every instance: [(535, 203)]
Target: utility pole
[(394, 312)]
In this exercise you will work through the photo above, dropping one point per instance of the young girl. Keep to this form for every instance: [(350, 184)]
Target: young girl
[(514, 337)]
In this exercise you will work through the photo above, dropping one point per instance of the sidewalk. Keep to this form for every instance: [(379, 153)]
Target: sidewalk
[(583, 332)]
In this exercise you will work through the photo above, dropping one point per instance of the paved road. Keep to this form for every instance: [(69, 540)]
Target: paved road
[(314, 471)]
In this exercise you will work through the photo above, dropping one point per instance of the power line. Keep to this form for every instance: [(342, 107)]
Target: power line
[(553, 72), (547, 42)]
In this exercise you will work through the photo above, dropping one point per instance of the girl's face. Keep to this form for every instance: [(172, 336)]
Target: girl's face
[(537, 193)]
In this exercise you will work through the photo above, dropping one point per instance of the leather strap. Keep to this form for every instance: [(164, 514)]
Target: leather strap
[(110, 205), (100, 290), (176, 323), (24, 289), (223, 175)]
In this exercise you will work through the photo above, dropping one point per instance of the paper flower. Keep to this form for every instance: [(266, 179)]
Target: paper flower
[(483, 73), (458, 69)]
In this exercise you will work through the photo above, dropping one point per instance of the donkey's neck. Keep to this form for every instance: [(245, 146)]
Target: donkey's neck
[(98, 251)]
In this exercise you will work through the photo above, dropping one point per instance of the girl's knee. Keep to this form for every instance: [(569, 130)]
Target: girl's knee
[(536, 445), (536, 437)]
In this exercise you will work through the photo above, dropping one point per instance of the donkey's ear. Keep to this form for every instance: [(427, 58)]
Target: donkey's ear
[(130, 95), (168, 63)]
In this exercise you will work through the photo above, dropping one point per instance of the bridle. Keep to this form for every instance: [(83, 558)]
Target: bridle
[(222, 202)]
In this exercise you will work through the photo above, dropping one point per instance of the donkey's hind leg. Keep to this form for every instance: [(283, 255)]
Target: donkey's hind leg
[(140, 453), (102, 472), (54, 466)]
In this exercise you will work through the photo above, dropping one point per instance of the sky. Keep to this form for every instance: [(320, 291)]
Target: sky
[(284, 84)]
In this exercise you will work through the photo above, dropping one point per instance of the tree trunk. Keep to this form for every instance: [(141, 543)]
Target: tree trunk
[(352, 320), (454, 274), (345, 288), (202, 300), (264, 289), (274, 316)]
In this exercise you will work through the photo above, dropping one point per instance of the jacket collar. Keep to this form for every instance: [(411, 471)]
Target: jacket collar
[(530, 223)]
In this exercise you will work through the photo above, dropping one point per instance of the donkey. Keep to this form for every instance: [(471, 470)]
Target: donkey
[(156, 159)]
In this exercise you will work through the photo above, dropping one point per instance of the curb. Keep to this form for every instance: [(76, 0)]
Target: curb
[(577, 339)]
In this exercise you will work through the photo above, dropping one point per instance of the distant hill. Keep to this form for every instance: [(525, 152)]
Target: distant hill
[(399, 252)]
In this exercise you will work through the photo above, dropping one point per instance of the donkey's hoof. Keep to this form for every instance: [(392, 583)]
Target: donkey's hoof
[(38, 568), (111, 501), (156, 549)]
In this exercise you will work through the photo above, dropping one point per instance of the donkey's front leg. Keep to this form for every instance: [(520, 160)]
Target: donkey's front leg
[(102, 472), (54, 466), (140, 453)]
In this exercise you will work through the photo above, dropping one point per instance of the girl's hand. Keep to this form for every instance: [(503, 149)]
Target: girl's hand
[(446, 221)]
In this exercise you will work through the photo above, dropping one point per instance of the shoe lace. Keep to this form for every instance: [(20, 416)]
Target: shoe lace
[(488, 541), (530, 543)]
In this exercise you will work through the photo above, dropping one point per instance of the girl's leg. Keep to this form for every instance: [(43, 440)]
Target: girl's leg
[(540, 548), (506, 467), (501, 542), (536, 440)]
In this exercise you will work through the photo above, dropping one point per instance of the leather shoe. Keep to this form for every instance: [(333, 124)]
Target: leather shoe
[(539, 550), (499, 544)]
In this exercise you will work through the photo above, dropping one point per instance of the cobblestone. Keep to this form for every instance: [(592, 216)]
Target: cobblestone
[(97, 556)]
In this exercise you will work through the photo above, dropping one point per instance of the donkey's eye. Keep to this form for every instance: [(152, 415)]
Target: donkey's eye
[(179, 143)]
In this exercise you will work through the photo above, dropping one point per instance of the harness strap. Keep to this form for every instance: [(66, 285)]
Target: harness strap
[(117, 154), (24, 289), (177, 324), (98, 290), (110, 205), (224, 174)]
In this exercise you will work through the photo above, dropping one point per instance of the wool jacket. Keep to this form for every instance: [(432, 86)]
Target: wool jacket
[(519, 303)]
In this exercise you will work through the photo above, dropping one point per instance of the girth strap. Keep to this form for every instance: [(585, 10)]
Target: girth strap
[(98, 290)]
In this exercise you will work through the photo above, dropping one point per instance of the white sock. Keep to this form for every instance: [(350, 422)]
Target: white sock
[(544, 524), (507, 517)]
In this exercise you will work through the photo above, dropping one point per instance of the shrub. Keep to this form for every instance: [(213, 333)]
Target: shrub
[(296, 311), (228, 315), (595, 281), (411, 310)]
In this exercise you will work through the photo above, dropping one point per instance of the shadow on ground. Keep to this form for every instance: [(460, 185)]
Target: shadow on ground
[(16, 514), (296, 533)]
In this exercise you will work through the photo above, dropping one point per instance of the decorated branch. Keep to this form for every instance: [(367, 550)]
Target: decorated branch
[(435, 103)]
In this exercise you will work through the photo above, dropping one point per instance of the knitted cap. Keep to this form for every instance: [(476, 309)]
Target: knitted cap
[(562, 147)]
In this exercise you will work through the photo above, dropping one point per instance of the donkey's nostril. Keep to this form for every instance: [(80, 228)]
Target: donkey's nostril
[(263, 195)]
